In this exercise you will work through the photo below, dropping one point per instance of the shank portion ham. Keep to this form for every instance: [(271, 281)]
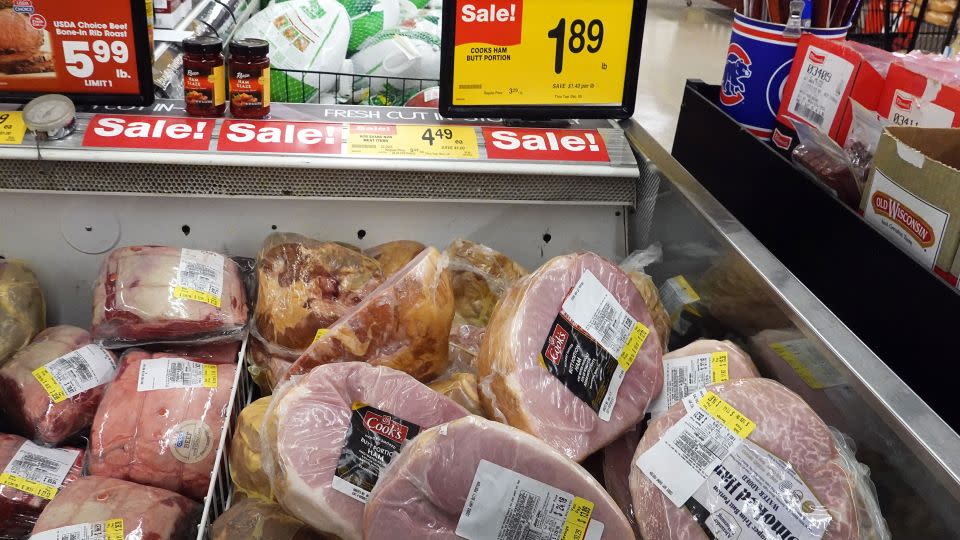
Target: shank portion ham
[(571, 355), (479, 463), (328, 434), (22, 309), (404, 324)]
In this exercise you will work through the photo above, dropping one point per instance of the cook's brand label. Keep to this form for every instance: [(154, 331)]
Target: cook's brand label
[(592, 343), (200, 276), (148, 132), (802, 355), (819, 92), (204, 86), (545, 144), (907, 220), (410, 141), (374, 438), (38, 470), (563, 52), (69, 47), (111, 529), (12, 127), (272, 136), (754, 495), (250, 89), (688, 451), (164, 373), (505, 504), (685, 375), (190, 441), (75, 372)]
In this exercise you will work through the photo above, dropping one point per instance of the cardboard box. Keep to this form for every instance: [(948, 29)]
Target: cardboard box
[(825, 74), (913, 195)]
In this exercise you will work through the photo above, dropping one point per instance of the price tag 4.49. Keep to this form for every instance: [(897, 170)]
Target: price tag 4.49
[(12, 128), (451, 142)]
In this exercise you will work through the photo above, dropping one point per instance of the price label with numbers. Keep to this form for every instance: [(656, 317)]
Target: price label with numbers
[(76, 48), (12, 128), (411, 141), (540, 53)]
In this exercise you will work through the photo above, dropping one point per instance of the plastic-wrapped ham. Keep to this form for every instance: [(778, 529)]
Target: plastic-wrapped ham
[(59, 401), (503, 475), (251, 519), (22, 310), (481, 276), (160, 421), (571, 355), (394, 255), (246, 467), (148, 294), (141, 512), (462, 388), (635, 266), (328, 435), (775, 444), (19, 457), (268, 363), (404, 324)]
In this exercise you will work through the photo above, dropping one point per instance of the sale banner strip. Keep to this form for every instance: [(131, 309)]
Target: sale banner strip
[(280, 137), (149, 133), (12, 128), (545, 144), (562, 52), (411, 141)]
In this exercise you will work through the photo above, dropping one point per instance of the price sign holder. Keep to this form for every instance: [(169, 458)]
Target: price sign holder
[(90, 52), (537, 60)]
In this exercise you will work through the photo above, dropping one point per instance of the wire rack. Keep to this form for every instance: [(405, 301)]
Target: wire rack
[(298, 86), (904, 25)]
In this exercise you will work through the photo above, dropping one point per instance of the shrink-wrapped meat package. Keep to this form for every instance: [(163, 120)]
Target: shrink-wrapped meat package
[(50, 390), (462, 388), (328, 435), (699, 364), (149, 294), (159, 422), (477, 479), (22, 309), (394, 255), (571, 355), (30, 476), (480, 277), (246, 466), (251, 519), (635, 266)]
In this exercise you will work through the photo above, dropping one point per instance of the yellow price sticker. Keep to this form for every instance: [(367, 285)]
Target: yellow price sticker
[(193, 294), (50, 384), (799, 366), (452, 142), (630, 349), (113, 529), (562, 52), (320, 333), (719, 367), (209, 376), (28, 486), (727, 415), (575, 526), (12, 127)]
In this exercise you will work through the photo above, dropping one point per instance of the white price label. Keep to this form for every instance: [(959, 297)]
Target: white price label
[(38, 470), (164, 373), (76, 372)]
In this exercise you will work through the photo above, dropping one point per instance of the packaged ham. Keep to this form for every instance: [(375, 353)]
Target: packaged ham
[(246, 468), (30, 476), (635, 266), (329, 434), (151, 294), (50, 390), (462, 388), (394, 255), (465, 340), (404, 324), (123, 510), (160, 421), (304, 285), (617, 460), (747, 437), (480, 277), (571, 355), (251, 519), (22, 310), (497, 482), (268, 363), (699, 364)]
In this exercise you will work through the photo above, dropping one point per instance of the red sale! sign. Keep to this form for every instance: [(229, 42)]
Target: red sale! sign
[(545, 144), (149, 133), (280, 137), (491, 22)]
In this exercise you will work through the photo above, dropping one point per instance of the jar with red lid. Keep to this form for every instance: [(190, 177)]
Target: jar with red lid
[(249, 78), (204, 84)]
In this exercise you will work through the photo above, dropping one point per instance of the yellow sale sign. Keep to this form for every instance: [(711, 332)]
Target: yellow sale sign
[(541, 52)]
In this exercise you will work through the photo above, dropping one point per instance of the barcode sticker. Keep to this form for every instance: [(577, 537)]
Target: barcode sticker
[(38, 470), (200, 276), (505, 504), (676, 294), (164, 373), (684, 375), (111, 529), (76, 372), (803, 356), (819, 90)]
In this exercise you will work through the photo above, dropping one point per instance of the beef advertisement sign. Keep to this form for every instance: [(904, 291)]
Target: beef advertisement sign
[(95, 52)]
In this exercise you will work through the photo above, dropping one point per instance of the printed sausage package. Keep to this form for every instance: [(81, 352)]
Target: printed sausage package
[(50, 390), (30, 477), (160, 422), (22, 309), (154, 294)]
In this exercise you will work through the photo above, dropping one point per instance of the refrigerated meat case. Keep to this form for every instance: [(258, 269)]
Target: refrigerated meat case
[(64, 205)]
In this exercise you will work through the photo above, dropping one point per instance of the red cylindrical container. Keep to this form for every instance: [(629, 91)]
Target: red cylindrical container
[(249, 78), (204, 85)]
